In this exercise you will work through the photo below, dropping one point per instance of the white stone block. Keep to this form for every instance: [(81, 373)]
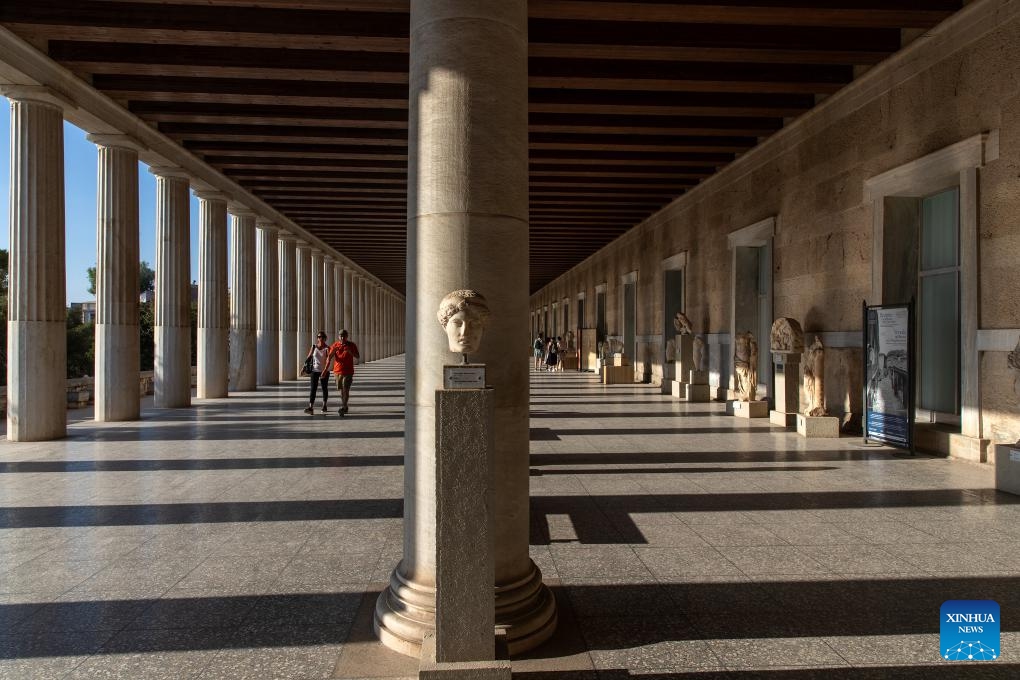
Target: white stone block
[(697, 377), (698, 393), (747, 409), (678, 389), (783, 419), (430, 669), (818, 427), (1007, 468)]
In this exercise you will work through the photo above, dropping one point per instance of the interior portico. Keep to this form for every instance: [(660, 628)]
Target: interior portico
[(599, 171)]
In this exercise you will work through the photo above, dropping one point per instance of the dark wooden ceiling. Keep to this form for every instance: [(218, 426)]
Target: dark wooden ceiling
[(304, 102)]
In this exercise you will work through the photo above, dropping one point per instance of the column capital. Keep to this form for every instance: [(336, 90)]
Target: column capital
[(116, 141), (203, 194), (302, 245), (239, 210), (287, 236), (170, 171), (39, 94), (266, 225)]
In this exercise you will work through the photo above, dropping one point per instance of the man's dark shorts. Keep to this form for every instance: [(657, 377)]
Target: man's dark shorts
[(344, 381)]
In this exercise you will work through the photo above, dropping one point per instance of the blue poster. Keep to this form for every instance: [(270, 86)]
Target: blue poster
[(888, 379), (969, 630)]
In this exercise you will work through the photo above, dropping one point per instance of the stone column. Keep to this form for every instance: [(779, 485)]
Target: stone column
[(370, 339), (37, 325), (338, 298), (243, 340), (318, 293), (328, 299), (213, 296), (305, 335), (268, 323), (289, 358), (117, 341), (467, 228), (359, 318), (172, 308), (348, 298)]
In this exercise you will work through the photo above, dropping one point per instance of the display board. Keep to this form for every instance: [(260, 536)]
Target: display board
[(889, 374)]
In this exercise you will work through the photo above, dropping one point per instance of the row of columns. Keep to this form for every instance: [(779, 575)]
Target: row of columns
[(252, 329)]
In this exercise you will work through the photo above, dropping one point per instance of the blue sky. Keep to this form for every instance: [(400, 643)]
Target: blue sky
[(80, 206)]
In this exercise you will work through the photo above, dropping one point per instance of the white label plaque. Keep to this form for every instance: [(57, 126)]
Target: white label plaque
[(464, 377)]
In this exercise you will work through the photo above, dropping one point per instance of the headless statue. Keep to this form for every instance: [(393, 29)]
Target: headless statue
[(814, 378)]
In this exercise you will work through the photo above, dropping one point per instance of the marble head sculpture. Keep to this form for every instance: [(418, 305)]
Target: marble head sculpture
[(463, 315)]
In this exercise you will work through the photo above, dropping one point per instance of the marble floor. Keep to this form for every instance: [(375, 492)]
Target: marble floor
[(241, 538)]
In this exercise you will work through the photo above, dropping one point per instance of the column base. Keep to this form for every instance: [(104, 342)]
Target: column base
[(36, 380), (747, 409), (172, 370), (117, 392), (405, 611)]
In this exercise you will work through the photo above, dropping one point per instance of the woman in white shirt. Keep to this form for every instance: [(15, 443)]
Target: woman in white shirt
[(320, 372)]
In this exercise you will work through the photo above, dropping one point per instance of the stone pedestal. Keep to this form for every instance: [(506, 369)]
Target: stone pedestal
[(818, 427), (213, 308), (467, 228), (697, 393), (172, 312), (117, 342), (496, 669), (684, 356), (1007, 468), (465, 609), (617, 375), (747, 409), (617, 360), (786, 370)]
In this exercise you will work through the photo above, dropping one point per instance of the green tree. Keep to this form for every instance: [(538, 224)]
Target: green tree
[(146, 278)]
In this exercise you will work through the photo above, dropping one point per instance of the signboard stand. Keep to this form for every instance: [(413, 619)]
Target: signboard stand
[(889, 375)]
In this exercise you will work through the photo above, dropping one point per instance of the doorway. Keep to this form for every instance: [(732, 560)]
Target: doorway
[(673, 302)]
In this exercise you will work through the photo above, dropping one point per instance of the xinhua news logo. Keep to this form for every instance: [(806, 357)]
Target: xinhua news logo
[(969, 630)]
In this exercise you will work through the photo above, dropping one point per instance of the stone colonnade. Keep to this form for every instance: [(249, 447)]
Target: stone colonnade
[(467, 228), (255, 313)]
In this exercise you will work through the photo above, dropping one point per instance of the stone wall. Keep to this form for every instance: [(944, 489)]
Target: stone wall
[(81, 392), (959, 81)]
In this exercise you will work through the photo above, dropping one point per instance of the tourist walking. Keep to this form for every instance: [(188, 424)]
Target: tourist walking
[(344, 354), (550, 356), (537, 346), (319, 375)]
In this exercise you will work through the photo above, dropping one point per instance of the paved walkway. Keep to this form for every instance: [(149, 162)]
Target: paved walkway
[(243, 539)]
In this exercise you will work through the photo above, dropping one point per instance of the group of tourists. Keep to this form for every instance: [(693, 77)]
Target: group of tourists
[(549, 353), (322, 357)]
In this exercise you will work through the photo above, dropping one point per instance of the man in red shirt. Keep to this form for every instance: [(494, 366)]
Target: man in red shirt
[(343, 353)]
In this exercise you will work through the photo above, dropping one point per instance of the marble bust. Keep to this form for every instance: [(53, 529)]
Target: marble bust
[(682, 324), (463, 315), (786, 336)]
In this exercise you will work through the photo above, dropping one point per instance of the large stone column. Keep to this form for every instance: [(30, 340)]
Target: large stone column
[(243, 340), (305, 335), (359, 317), (172, 309), (213, 296), (289, 358), (467, 228), (268, 323), (117, 340), (328, 299), (348, 309), (37, 325), (338, 277), (370, 339), (318, 292)]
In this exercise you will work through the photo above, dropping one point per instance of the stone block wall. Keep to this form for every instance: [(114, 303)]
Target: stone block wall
[(961, 80)]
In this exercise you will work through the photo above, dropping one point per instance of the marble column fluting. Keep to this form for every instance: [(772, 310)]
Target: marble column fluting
[(348, 306), (328, 299), (267, 275), (338, 298), (289, 359), (360, 318), (467, 228), (118, 345), (318, 293), (37, 322), (172, 307), (213, 296), (305, 335), (243, 340)]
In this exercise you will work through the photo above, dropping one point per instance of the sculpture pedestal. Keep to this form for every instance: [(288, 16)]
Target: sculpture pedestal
[(786, 370), (496, 669), (747, 409), (695, 377), (818, 427), (617, 375), (1007, 468)]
